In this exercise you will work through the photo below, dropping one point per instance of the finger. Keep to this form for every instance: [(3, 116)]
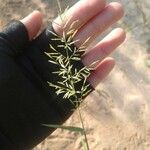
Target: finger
[(81, 12), (110, 15), (102, 70), (33, 23), (104, 47)]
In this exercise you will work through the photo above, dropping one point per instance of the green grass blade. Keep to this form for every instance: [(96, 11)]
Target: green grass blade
[(70, 128)]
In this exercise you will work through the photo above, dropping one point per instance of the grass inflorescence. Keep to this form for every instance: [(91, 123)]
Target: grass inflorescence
[(72, 84)]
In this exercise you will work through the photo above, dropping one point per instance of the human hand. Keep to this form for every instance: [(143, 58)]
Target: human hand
[(100, 17), (23, 75), (93, 18)]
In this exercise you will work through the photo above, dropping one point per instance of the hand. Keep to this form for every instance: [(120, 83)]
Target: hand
[(25, 100), (93, 18)]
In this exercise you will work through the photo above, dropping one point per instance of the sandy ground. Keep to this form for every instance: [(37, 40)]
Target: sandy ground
[(117, 114)]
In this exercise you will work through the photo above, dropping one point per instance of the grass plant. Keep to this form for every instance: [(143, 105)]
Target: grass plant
[(69, 74)]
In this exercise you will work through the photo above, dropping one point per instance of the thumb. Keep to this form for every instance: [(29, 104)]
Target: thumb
[(15, 36), (33, 23)]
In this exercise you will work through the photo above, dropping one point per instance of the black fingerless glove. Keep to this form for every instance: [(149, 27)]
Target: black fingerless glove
[(26, 100)]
